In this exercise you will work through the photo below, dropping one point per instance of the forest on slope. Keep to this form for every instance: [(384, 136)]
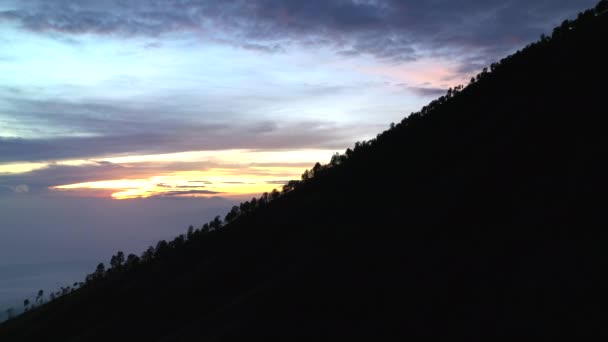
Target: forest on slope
[(477, 216)]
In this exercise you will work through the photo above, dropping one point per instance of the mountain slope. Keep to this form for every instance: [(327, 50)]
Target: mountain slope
[(478, 216)]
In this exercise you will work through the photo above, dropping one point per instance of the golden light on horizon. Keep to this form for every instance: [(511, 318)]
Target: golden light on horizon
[(213, 182), (20, 167), (179, 174)]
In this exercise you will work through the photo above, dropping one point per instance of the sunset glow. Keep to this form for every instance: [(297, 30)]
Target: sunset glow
[(191, 174), (226, 182)]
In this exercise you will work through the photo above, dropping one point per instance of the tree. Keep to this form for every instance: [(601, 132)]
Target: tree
[(264, 198), (348, 153), (544, 38), (274, 195), (161, 248), (315, 170), (291, 185), (117, 260), (601, 7), (148, 254), (132, 260), (190, 233), (305, 175), (232, 214), (39, 297), (178, 241), (216, 223), (245, 206), (26, 303), (337, 159), (100, 271)]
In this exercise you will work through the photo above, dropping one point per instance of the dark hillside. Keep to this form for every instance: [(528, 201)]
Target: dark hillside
[(481, 215)]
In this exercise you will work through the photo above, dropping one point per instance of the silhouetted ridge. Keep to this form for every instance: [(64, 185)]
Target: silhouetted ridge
[(477, 216)]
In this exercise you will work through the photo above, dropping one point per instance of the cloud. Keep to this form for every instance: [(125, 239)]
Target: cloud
[(189, 187), (263, 48), (424, 91), (278, 182), (187, 192), (40, 180), (22, 188), (55, 227), (179, 137), (387, 29)]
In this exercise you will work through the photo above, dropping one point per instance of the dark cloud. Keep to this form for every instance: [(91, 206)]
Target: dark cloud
[(425, 91), (263, 48), (187, 192), (261, 135), (38, 181), (190, 187), (278, 182), (389, 29), (152, 126)]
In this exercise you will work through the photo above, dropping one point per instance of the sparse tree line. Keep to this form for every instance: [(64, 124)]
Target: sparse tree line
[(41, 299), (119, 263)]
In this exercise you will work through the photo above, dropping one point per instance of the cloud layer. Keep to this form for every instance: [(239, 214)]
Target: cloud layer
[(390, 29), (98, 79)]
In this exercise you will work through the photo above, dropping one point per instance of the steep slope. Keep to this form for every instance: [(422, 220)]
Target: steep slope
[(482, 215)]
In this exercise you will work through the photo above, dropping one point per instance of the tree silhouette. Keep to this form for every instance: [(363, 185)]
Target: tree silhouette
[(161, 249), (274, 195), (601, 7), (232, 214), (148, 254), (117, 260), (305, 175), (291, 185), (100, 271), (190, 233), (216, 223), (26, 303), (132, 261), (245, 207), (40, 296)]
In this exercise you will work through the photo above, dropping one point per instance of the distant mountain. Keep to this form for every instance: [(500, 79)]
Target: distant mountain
[(482, 215)]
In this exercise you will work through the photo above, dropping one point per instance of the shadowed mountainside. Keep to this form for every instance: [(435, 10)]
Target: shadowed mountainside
[(478, 216)]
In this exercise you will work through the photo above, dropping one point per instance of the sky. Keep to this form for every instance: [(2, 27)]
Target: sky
[(127, 113)]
